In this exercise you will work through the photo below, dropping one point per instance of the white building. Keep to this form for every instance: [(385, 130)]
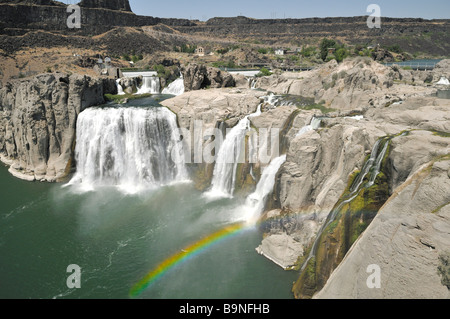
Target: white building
[(280, 52)]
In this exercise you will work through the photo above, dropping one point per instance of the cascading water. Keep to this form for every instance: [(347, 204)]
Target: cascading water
[(119, 88), (369, 173), (132, 148), (175, 88), (255, 203), (315, 124), (150, 85), (228, 158), (443, 81)]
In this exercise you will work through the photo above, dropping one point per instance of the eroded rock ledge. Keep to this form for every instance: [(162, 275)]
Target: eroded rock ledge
[(38, 121)]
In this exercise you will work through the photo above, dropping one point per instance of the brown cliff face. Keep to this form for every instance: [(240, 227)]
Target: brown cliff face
[(38, 121), (122, 5)]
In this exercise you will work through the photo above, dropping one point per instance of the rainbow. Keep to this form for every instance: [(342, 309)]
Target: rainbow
[(183, 255)]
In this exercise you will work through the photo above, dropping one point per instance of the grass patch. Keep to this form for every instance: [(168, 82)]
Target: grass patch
[(321, 107), (440, 133)]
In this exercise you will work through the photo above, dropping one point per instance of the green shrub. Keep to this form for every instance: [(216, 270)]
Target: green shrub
[(324, 46), (263, 50), (223, 51), (395, 48), (308, 52), (341, 54), (264, 72)]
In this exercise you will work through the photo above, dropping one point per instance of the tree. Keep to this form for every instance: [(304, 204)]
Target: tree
[(324, 46), (341, 54)]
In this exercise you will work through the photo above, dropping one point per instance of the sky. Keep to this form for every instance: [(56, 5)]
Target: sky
[(266, 9)]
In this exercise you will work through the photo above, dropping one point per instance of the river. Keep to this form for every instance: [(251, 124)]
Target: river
[(117, 239)]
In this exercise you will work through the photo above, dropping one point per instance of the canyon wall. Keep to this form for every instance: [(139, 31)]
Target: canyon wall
[(38, 122)]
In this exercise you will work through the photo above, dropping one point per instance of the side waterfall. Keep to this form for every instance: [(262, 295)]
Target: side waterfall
[(150, 84), (366, 179), (255, 203), (315, 124), (228, 158), (119, 88), (175, 88), (132, 148)]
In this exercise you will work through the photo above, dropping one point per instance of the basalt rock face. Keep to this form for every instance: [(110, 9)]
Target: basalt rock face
[(353, 84), (413, 35), (38, 120), (122, 5), (198, 77), (97, 16), (408, 241)]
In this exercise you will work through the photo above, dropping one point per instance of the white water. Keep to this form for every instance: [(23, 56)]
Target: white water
[(119, 88), (150, 84), (134, 149), (372, 167), (255, 203), (229, 156), (443, 81), (315, 124), (175, 88)]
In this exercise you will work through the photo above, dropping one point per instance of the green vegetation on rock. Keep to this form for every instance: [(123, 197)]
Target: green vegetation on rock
[(352, 219)]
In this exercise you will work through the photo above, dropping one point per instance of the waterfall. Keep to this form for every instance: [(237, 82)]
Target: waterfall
[(229, 156), (315, 124), (132, 148), (255, 203), (119, 88), (175, 88), (370, 171), (150, 84), (443, 81)]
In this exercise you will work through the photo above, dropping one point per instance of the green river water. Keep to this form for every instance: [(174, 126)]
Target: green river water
[(117, 239)]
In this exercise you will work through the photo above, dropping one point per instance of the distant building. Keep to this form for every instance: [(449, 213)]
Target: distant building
[(280, 52), (202, 51)]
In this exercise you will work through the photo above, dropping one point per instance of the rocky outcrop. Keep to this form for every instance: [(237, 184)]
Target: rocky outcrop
[(197, 77), (320, 165), (409, 241), (38, 121), (347, 86), (382, 55), (122, 5), (200, 112)]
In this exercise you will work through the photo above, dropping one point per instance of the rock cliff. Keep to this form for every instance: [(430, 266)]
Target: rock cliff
[(38, 122), (122, 5), (409, 241), (347, 86), (198, 77)]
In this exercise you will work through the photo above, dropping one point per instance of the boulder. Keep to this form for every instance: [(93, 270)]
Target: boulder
[(197, 77)]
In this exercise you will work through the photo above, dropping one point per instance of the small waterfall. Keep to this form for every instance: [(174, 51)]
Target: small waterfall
[(119, 88), (132, 148), (370, 171), (150, 85), (315, 124), (255, 203), (229, 156), (443, 81), (175, 88)]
